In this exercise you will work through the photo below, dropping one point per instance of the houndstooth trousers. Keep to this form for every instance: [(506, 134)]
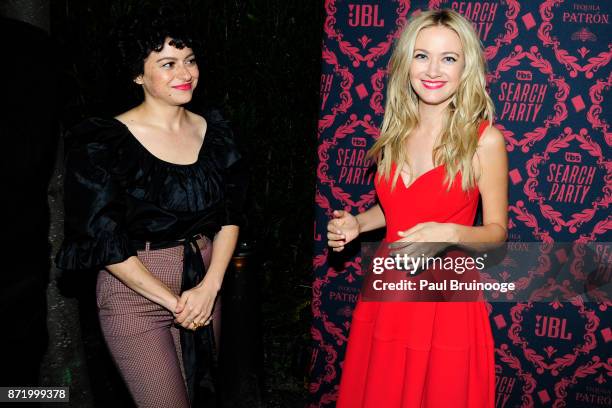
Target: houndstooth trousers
[(141, 335)]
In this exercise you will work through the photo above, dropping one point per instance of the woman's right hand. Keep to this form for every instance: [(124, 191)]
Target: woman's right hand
[(171, 304), (137, 277), (342, 229)]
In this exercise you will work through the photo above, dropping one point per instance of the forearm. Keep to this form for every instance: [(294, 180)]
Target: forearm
[(138, 278), (224, 245), (489, 233), (371, 219)]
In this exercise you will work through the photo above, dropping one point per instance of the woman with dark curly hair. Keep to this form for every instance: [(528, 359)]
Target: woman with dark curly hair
[(152, 201)]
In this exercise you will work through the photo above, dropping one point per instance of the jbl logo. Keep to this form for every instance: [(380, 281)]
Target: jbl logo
[(364, 15), (552, 327)]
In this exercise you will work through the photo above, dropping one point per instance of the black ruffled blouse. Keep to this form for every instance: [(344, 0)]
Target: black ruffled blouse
[(116, 192), (118, 195)]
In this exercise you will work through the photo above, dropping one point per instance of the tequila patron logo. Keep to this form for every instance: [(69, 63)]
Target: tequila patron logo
[(529, 93), (371, 27), (586, 387), (579, 34), (344, 294), (591, 396), (574, 167), (495, 21), (585, 13)]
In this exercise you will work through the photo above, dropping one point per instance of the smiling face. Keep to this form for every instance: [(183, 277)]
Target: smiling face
[(437, 64), (170, 75)]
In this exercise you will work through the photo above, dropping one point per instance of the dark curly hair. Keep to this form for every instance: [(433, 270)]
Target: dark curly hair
[(138, 34)]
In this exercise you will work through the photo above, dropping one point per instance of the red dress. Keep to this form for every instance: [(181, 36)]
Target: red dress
[(420, 354)]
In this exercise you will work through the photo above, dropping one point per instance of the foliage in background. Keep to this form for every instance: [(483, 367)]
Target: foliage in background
[(261, 66)]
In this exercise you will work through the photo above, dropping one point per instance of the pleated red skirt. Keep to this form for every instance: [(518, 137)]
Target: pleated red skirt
[(419, 355)]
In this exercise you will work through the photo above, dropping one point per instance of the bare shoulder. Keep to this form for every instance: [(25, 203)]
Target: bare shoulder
[(195, 118), (492, 139), (491, 146), (491, 152), (198, 122)]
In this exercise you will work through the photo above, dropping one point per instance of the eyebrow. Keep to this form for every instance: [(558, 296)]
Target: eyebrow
[(445, 52), (173, 58)]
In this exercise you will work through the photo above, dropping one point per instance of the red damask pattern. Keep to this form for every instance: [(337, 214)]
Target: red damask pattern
[(556, 45)]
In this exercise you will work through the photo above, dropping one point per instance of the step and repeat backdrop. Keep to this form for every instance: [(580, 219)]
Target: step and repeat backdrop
[(549, 77)]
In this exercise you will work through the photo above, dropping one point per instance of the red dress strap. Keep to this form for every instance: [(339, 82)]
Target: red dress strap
[(483, 125)]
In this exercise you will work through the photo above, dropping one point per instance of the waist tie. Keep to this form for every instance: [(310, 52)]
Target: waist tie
[(197, 346)]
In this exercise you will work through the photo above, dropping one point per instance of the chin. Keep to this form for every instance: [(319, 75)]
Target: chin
[(180, 101), (429, 99), (433, 101)]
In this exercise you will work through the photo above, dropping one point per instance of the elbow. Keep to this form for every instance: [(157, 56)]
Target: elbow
[(122, 270), (503, 233), (495, 233)]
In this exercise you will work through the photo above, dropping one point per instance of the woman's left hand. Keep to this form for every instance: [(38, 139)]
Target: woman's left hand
[(418, 239), (425, 239), (430, 232), (195, 306)]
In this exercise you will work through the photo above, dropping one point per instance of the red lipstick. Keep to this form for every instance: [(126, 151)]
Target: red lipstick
[(433, 84), (183, 87)]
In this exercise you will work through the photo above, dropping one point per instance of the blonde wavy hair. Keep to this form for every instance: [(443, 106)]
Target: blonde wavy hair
[(468, 107)]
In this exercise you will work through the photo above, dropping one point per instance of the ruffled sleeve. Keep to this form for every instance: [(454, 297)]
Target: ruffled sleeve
[(232, 164), (94, 234)]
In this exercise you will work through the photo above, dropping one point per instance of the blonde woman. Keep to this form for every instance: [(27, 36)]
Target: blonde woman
[(436, 155)]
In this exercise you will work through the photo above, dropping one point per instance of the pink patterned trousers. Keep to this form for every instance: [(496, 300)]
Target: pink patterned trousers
[(141, 335)]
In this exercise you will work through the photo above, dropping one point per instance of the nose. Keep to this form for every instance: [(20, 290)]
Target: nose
[(433, 69), (184, 73)]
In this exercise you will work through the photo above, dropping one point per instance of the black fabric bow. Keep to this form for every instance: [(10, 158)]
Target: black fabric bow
[(198, 346)]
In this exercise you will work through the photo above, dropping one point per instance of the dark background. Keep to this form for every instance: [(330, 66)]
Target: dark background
[(261, 66)]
